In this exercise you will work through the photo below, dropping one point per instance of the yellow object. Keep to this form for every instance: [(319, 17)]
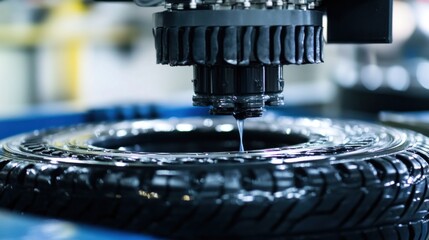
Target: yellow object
[(69, 7), (72, 59), (71, 47)]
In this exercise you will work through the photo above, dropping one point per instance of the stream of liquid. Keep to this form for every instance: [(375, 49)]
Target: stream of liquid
[(240, 125)]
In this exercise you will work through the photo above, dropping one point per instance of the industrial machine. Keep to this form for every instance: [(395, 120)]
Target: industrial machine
[(300, 178), (238, 48)]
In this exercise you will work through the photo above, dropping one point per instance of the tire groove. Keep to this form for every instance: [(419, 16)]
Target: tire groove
[(33, 196), (139, 209), (353, 210), (412, 233), (233, 219), (422, 199), (380, 192), (361, 233), (213, 214), (409, 201), (372, 209), (5, 183), (30, 203), (285, 213), (359, 202), (386, 207), (9, 172), (186, 218), (313, 209), (398, 233), (264, 213), (3, 162), (380, 233), (161, 218), (394, 199)]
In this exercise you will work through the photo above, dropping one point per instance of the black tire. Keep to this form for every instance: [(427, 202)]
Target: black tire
[(322, 180)]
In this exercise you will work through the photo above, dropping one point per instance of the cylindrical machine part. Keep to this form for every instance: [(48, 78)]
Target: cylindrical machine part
[(238, 54), (239, 90)]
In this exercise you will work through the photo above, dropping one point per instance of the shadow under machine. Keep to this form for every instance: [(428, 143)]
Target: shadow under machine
[(300, 178)]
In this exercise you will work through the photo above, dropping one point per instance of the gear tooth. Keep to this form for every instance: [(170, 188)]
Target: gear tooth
[(289, 49), (300, 45), (318, 41), (241, 44), (199, 45), (253, 37), (184, 59), (173, 45), (263, 45), (239, 41), (309, 44), (164, 58), (214, 45), (276, 45), (321, 41), (246, 46), (199, 85), (158, 44), (230, 45)]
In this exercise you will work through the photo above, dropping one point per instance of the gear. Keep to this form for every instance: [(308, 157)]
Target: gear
[(239, 37), (276, 45)]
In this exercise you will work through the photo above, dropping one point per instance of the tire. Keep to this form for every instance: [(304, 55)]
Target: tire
[(309, 178)]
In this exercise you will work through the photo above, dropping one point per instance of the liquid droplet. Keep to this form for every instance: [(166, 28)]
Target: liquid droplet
[(240, 126)]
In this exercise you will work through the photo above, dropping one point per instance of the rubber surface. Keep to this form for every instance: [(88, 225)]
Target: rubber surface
[(243, 46), (354, 181), (231, 49)]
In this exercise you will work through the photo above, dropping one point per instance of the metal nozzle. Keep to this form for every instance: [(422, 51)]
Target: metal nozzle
[(242, 91)]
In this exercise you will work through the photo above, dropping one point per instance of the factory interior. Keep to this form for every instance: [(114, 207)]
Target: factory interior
[(91, 69)]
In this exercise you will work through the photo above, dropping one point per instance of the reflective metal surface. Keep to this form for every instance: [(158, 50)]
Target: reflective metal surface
[(277, 140)]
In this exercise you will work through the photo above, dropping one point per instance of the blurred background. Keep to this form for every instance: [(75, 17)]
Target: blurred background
[(63, 59), (72, 51), (80, 55)]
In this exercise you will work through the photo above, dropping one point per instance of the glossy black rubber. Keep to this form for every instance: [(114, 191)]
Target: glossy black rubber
[(242, 46), (238, 37), (385, 196)]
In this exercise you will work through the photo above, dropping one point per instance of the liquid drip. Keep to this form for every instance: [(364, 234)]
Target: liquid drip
[(240, 125)]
